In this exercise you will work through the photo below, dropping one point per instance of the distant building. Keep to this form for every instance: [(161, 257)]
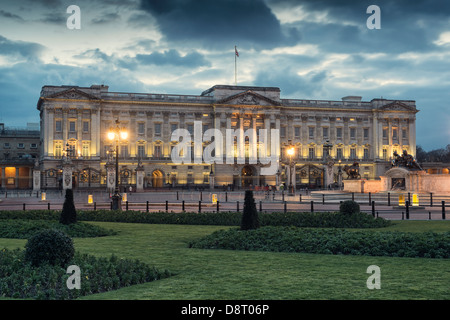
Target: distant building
[(19, 149), (75, 121)]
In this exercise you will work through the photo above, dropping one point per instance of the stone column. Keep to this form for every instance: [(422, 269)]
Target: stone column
[(67, 176), (3, 178), (140, 179), (110, 177), (36, 177)]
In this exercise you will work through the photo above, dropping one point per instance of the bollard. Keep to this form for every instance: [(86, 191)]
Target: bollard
[(24, 207), (217, 206), (312, 206), (300, 200), (282, 194), (373, 208), (48, 206), (146, 208), (177, 195), (226, 196), (201, 196), (199, 207), (370, 198), (285, 207), (443, 210), (431, 199), (260, 206), (403, 215), (126, 205), (429, 215), (389, 198), (95, 206), (167, 206), (377, 214), (323, 198), (110, 206), (237, 206), (182, 206), (407, 209), (409, 197)]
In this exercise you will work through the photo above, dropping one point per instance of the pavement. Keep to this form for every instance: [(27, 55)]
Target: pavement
[(229, 201)]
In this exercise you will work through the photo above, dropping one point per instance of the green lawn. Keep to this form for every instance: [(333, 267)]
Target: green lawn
[(222, 274)]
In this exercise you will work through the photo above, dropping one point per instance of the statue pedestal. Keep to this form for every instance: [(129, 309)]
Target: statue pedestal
[(140, 179)]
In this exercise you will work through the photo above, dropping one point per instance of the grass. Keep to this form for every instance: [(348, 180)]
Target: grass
[(226, 274)]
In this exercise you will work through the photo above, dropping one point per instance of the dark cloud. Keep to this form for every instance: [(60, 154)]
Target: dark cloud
[(106, 18), (19, 49), (220, 22), (290, 83), (9, 15), (173, 57)]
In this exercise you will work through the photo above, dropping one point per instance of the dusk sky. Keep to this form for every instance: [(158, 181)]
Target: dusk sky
[(310, 49)]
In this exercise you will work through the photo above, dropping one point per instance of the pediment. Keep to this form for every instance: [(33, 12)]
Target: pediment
[(249, 98), (73, 93), (397, 106)]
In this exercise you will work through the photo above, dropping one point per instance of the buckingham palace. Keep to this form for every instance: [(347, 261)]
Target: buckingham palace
[(312, 135)]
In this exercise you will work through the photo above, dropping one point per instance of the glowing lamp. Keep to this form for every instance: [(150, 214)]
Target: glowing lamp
[(111, 135), (401, 200), (415, 200), (90, 199), (123, 135)]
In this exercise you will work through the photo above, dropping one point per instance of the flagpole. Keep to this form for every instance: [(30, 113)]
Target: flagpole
[(235, 66)]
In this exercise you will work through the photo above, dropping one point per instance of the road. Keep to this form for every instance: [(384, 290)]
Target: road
[(228, 201)]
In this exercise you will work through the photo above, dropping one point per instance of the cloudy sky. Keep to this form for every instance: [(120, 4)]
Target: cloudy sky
[(310, 49)]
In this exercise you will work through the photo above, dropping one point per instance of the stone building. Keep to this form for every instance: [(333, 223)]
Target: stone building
[(325, 136), (19, 149)]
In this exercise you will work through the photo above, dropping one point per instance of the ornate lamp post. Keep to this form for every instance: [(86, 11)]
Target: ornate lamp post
[(116, 134), (290, 152)]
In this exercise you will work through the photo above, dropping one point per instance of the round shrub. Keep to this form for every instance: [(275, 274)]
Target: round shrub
[(49, 246), (349, 207)]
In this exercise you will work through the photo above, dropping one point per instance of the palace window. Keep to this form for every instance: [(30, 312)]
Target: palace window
[(325, 132), (311, 132), (339, 153), (366, 154), (157, 151), (352, 153), (297, 132), (352, 133), (141, 128), (366, 133), (157, 129), (85, 149), (311, 154), (58, 126), (85, 126), (141, 151), (72, 126), (339, 133)]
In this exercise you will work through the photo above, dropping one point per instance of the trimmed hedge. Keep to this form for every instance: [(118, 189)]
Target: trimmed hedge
[(330, 241), (24, 229), (19, 279), (299, 219)]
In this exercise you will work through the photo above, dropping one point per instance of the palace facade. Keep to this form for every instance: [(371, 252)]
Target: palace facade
[(75, 122)]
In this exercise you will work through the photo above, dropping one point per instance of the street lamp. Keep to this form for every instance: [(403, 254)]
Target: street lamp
[(117, 133), (291, 151)]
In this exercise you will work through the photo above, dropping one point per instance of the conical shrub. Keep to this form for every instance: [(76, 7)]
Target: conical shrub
[(250, 218), (69, 213)]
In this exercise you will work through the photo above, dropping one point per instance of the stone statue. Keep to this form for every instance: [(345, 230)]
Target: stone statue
[(405, 160), (352, 171)]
